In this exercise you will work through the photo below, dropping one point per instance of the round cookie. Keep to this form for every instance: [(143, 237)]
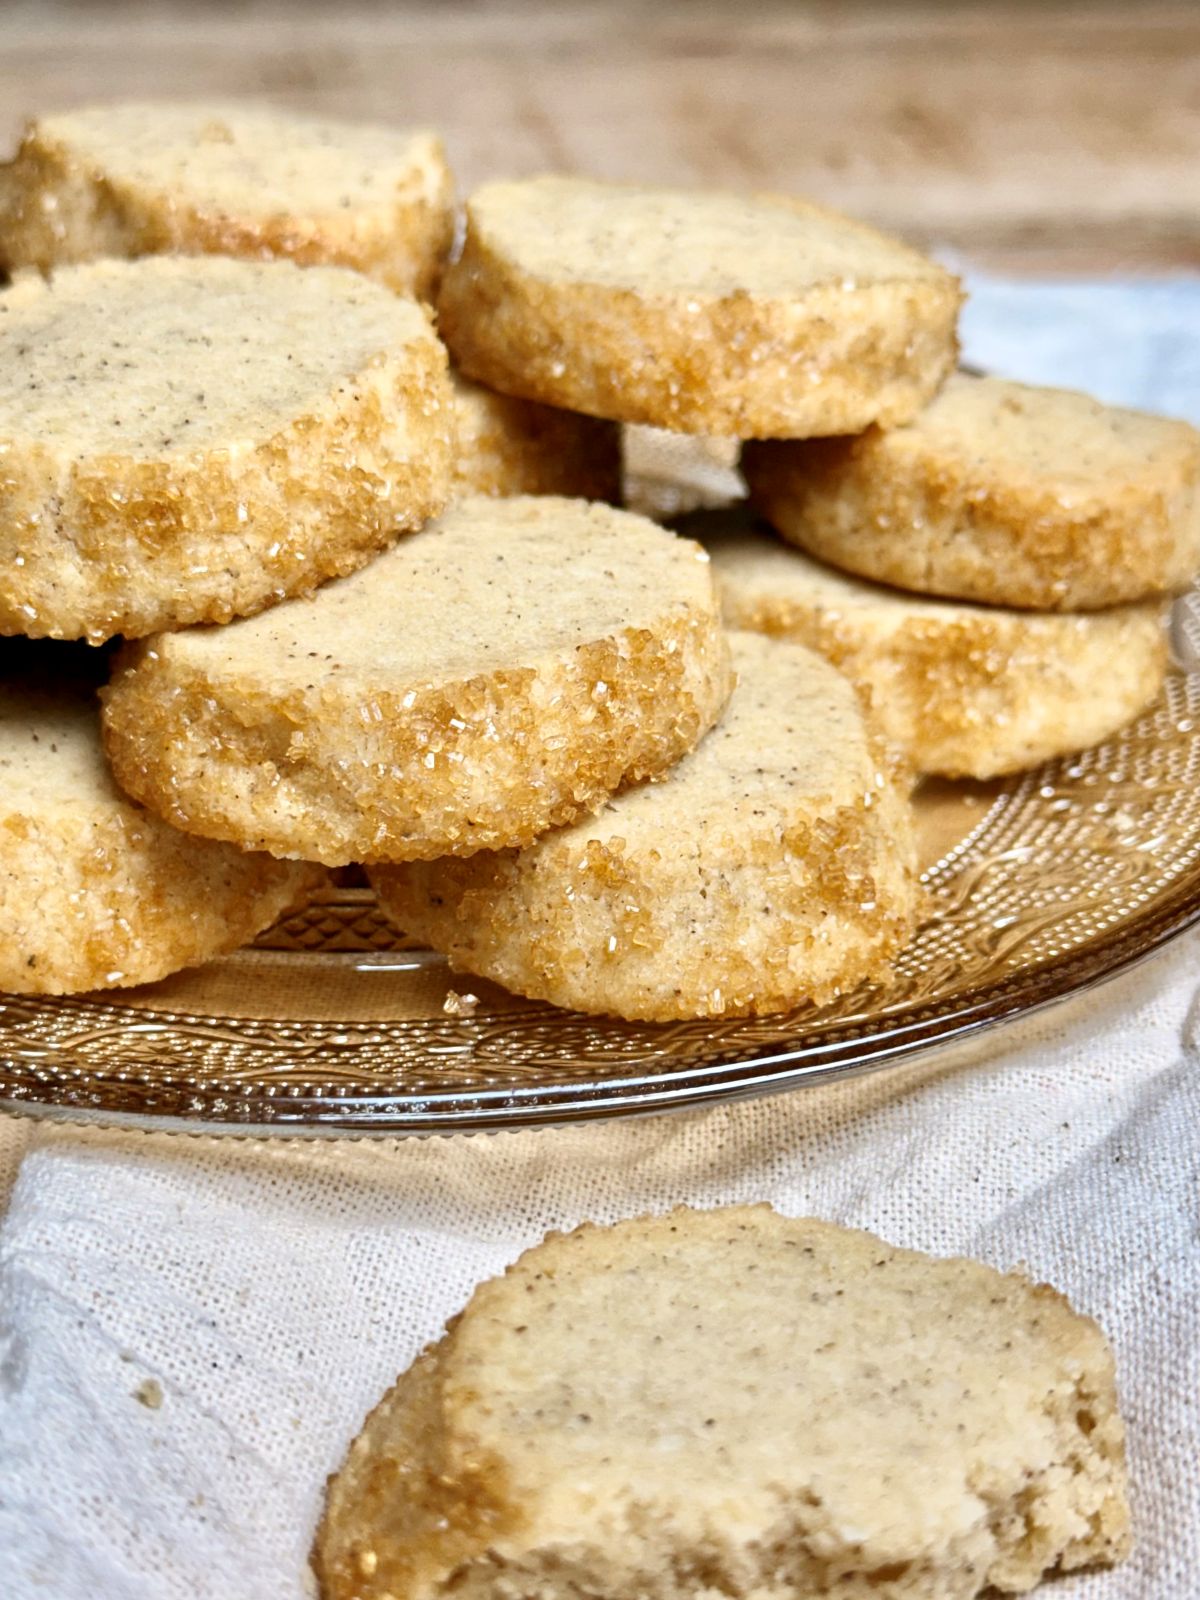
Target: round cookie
[(494, 675), (966, 691), (96, 893), (752, 316), (227, 178), (774, 865), (998, 492), (510, 447), (190, 440), (735, 1403)]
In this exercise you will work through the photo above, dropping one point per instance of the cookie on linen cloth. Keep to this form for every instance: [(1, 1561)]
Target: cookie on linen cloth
[(510, 447), (95, 892), (966, 691), (735, 1403), (494, 675), (775, 864), (754, 316), (998, 492), (228, 179), (186, 440)]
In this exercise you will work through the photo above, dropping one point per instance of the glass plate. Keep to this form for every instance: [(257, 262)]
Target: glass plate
[(1038, 887)]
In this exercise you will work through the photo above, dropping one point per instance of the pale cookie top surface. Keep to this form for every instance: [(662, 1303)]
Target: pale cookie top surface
[(793, 732), (50, 753), (670, 243), (250, 160), (1047, 437), (493, 584), (719, 1362), (165, 356)]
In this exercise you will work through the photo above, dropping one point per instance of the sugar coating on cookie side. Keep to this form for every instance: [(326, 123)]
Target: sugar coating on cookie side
[(998, 492), (508, 447), (752, 316), (964, 690), (224, 178), (190, 440), (496, 674), (775, 864), (94, 891), (731, 1402)]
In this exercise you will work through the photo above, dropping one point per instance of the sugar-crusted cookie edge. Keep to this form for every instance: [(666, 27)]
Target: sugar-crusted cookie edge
[(115, 897), (918, 520), (226, 761), (983, 695), (58, 207), (111, 545), (829, 361), (593, 925)]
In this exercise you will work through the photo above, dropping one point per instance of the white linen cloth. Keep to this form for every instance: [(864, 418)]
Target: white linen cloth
[(192, 1329)]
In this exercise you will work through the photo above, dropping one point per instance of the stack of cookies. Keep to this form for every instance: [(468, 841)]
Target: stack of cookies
[(996, 570), (378, 609)]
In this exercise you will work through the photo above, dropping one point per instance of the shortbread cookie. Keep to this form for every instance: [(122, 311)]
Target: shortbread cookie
[(998, 492), (508, 447), (190, 440), (494, 675), (776, 864), (95, 892), (752, 316), (228, 179), (964, 690), (735, 1403)]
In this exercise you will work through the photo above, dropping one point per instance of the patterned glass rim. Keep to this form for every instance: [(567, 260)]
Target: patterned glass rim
[(888, 1039)]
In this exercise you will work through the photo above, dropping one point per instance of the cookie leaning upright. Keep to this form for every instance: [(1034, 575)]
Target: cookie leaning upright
[(751, 316), (494, 675), (228, 179), (998, 492), (775, 864), (964, 690), (94, 891), (735, 1403), (187, 440)]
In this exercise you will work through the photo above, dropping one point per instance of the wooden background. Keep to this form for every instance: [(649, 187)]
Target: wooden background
[(1052, 136)]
